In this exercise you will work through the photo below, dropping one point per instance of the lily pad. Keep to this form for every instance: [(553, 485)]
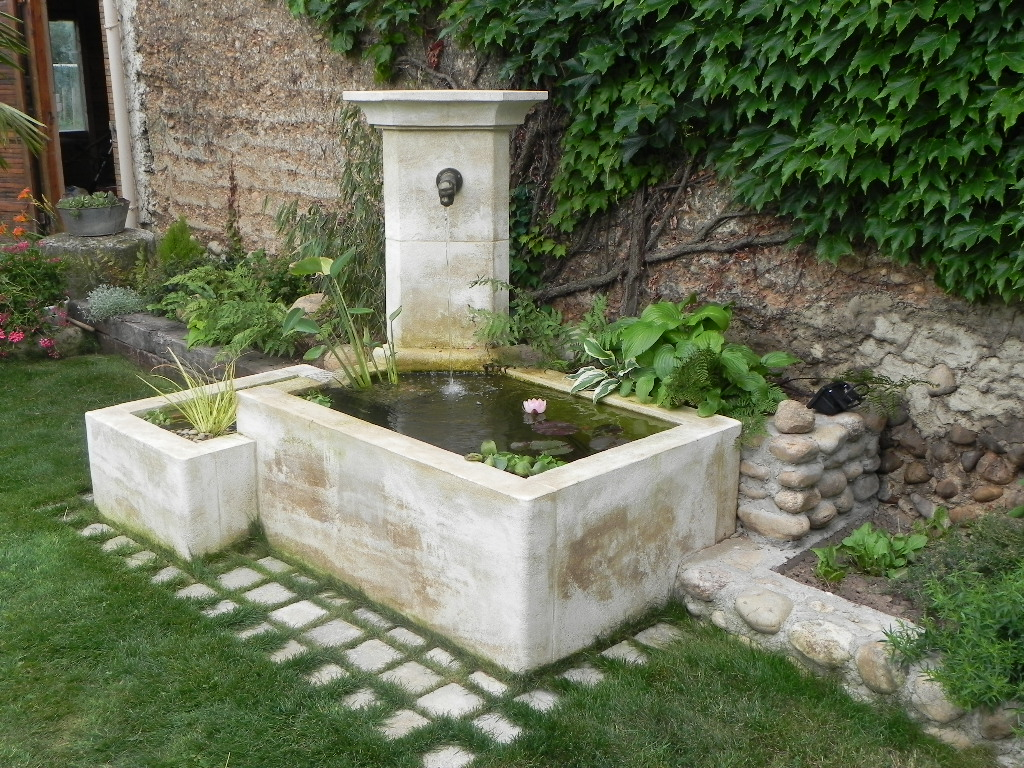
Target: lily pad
[(550, 447), (555, 428)]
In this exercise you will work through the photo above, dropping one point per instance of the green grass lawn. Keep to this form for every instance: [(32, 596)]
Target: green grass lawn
[(99, 667)]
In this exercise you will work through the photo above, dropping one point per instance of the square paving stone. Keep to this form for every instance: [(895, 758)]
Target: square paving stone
[(289, 650), (442, 658), (239, 578), (659, 636), (305, 581), (372, 656), (164, 575), (328, 673), (625, 652), (333, 599), (487, 683), (224, 606), (404, 636), (539, 700), (259, 629), (196, 592), (373, 619), (448, 756), (300, 614), (413, 677), (270, 594), (140, 559), (402, 723), (333, 633), (118, 542), (96, 529), (452, 700), (585, 675), (274, 565), (498, 728), (361, 699)]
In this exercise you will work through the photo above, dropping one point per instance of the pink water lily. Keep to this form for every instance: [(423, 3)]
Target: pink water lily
[(535, 405)]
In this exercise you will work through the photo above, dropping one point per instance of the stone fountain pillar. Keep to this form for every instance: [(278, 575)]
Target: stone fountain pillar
[(434, 252)]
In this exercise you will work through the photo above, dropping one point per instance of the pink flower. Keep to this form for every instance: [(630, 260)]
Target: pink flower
[(2, 335), (46, 343), (16, 336), (535, 405)]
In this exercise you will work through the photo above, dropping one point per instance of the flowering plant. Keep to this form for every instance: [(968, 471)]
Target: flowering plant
[(31, 287)]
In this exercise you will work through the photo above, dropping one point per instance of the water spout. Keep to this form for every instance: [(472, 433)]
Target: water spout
[(449, 181)]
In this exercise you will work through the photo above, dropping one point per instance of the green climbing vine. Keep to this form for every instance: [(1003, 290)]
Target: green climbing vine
[(893, 123)]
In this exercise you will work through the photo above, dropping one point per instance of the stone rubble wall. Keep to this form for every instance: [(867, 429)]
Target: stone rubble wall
[(808, 470), (732, 586)]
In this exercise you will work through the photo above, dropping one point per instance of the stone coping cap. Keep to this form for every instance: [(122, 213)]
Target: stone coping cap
[(445, 109)]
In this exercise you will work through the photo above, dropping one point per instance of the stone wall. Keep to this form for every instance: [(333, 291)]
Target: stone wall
[(234, 106)]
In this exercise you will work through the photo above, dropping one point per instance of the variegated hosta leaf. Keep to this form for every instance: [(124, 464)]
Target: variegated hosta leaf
[(605, 388), (595, 350), (586, 378)]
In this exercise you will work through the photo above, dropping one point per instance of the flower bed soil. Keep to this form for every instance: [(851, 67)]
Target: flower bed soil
[(875, 592)]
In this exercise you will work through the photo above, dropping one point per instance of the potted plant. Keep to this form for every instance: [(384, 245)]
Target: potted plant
[(101, 213)]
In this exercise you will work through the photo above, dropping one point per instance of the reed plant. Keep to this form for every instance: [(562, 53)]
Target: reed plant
[(209, 404)]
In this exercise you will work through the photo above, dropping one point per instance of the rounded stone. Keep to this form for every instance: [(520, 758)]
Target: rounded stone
[(822, 515), (947, 488), (1001, 722), (703, 582), (774, 525), (876, 668), (924, 507), (756, 471), (795, 449), (793, 418), (987, 493), (844, 501), (763, 609), (853, 469), (832, 483), (941, 452), (1015, 456), (891, 461), (941, 380), (875, 421), (929, 698), (822, 642), (803, 476), (720, 620), (854, 424), (864, 487), (871, 463), (965, 513), (831, 438), (310, 303), (969, 459), (961, 435), (752, 491), (796, 502), (916, 472), (995, 469)]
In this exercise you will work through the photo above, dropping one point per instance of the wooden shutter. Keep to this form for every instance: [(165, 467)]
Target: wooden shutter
[(18, 173)]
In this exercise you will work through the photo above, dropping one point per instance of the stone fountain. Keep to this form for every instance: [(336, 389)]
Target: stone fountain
[(521, 571)]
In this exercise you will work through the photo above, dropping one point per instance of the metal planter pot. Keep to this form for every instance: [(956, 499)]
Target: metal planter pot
[(94, 222)]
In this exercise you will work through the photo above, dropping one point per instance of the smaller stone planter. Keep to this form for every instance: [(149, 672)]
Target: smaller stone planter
[(94, 222), (193, 497)]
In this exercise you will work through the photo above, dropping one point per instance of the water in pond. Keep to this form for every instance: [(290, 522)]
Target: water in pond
[(459, 413)]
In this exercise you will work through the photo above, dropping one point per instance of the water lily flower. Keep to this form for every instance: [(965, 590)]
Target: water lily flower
[(535, 405)]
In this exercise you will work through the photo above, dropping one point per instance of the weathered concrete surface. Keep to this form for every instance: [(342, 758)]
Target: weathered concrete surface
[(93, 261)]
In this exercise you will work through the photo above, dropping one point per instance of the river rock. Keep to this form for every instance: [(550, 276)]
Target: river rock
[(1015, 456), (803, 476), (832, 483), (959, 435), (986, 493), (796, 502), (916, 472), (876, 668), (822, 515), (844, 501), (793, 418), (831, 437), (999, 723), (763, 609), (891, 461), (923, 506), (965, 513), (929, 698), (941, 380), (310, 303), (853, 423), (822, 642), (774, 525), (875, 421), (853, 469), (795, 449), (910, 440), (969, 459), (995, 469), (941, 452), (864, 487), (703, 582), (991, 443), (756, 471), (947, 488), (753, 491)]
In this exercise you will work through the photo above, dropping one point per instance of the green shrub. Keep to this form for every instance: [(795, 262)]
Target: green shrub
[(107, 301), (972, 585), (30, 285), (177, 252)]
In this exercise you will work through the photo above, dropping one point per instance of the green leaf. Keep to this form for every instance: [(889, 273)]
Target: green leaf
[(312, 265), (296, 321), (640, 337), (588, 377), (776, 360), (315, 353), (605, 388)]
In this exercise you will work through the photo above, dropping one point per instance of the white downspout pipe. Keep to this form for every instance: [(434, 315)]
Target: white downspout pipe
[(122, 123)]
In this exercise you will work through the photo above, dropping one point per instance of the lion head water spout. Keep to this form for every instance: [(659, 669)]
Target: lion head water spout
[(442, 260)]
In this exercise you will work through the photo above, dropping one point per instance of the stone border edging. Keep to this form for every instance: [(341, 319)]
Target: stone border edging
[(733, 585)]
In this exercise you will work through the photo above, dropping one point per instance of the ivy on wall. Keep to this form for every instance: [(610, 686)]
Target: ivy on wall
[(888, 122)]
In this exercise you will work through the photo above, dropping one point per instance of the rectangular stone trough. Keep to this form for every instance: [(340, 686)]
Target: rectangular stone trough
[(192, 497), (522, 571)]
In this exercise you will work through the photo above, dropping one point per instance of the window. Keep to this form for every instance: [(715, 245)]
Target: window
[(67, 76)]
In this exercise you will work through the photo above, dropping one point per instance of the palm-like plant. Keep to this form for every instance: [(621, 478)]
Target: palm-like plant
[(13, 121)]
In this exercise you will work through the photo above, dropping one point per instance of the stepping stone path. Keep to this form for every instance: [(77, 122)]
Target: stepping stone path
[(371, 661)]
